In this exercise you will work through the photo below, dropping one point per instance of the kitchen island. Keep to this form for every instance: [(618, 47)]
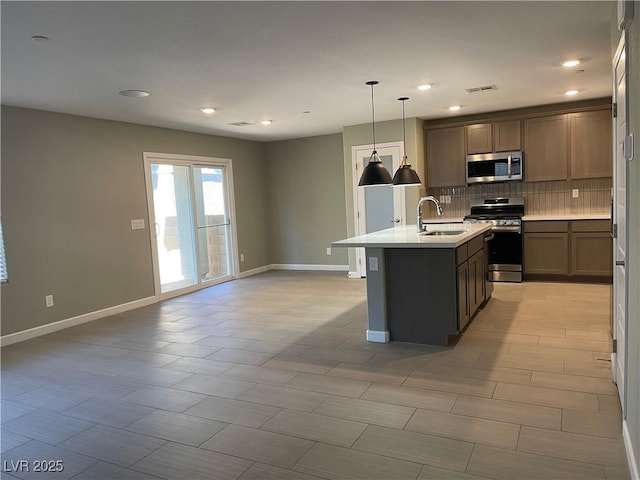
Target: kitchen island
[(423, 287)]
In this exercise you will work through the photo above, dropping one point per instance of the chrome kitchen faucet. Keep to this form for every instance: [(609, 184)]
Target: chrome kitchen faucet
[(430, 198)]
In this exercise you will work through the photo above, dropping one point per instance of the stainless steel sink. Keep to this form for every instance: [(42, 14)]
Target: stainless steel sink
[(442, 232)]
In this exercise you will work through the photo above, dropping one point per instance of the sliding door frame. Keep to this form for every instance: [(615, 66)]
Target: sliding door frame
[(189, 161)]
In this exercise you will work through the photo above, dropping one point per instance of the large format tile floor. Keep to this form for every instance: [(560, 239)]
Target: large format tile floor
[(270, 377)]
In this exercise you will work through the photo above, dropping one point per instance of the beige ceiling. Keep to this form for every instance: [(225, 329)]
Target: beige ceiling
[(276, 60)]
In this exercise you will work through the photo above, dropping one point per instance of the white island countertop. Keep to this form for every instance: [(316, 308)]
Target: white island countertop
[(406, 236)]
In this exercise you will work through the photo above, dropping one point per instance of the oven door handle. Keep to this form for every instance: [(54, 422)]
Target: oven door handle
[(513, 229), (488, 238)]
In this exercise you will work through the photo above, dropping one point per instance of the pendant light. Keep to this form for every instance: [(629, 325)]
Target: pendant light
[(405, 175), (375, 172)]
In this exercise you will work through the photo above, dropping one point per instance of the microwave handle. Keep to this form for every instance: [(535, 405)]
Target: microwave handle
[(509, 166)]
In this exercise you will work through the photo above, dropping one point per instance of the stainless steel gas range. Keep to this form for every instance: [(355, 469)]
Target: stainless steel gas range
[(505, 247)]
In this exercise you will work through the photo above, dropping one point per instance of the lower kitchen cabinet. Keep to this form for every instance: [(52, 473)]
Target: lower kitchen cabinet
[(471, 277), (578, 248), (463, 295), (591, 254), (546, 253)]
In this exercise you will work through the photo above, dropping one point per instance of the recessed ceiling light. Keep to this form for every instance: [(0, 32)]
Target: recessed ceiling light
[(39, 38), (266, 122), (426, 86), (455, 108), (571, 93), (571, 63), (208, 110), (134, 93)]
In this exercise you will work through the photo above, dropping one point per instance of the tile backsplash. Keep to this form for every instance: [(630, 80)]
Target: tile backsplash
[(540, 198)]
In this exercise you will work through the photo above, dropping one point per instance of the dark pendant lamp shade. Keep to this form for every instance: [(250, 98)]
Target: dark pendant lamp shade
[(374, 173), (405, 175)]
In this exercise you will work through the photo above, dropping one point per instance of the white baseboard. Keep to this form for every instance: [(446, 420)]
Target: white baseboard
[(631, 455), (254, 271), (73, 321), (378, 336), (354, 275), (297, 266)]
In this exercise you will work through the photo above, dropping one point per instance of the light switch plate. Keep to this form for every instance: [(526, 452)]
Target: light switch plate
[(137, 224), (575, 193), (373, 264)]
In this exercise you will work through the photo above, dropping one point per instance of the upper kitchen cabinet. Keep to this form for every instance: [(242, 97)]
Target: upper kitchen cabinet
[(591, 145), (546, 147), (445, 157), (506, 136), (493, 137), (479, 138)]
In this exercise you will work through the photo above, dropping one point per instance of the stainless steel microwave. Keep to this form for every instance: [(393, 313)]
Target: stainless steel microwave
[(494, 167)]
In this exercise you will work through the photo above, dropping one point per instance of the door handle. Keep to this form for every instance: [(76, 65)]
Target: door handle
[(397, 220), (620, 263), (488, 238), (509, 166)]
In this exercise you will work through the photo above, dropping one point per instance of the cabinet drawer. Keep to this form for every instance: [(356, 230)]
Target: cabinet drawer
[(547, 226), (462, 253), (591, 226), (475, 244)]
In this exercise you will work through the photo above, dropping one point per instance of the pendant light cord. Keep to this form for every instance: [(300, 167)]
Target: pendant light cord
[(373, 119), (404, 137)]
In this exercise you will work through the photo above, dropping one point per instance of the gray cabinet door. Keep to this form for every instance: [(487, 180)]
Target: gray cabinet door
[(446, 157), (546, 145)]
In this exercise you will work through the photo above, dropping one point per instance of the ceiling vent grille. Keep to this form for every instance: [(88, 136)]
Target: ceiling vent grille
[(241, 124), (486, 88)]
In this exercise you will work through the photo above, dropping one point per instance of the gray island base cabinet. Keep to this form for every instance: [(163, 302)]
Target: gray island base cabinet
[(422, 289)]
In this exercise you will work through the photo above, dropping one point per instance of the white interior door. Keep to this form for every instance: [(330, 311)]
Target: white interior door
[(619, 219), (380, 207)]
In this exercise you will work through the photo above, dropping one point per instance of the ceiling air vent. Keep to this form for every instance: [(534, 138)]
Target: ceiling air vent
[(241, 124), (486, 88)]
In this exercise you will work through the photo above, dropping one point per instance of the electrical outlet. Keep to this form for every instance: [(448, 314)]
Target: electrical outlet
[(242, 257), (328, 250), (373, 264), (48, 300), (575, 193), (447, 199), (137, 224), (443, 199)]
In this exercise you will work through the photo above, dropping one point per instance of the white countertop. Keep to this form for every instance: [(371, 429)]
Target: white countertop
[(568, 216), (406, 236)]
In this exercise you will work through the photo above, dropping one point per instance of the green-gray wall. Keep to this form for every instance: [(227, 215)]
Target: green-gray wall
[(306, 200), (70, 187), (633, 247), (389, 131)]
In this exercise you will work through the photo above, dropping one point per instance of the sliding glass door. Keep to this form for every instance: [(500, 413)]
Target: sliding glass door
[(190, 210)]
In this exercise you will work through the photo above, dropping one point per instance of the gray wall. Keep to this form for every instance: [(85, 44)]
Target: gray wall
[(70, 187), (633, 249), (306, 200)]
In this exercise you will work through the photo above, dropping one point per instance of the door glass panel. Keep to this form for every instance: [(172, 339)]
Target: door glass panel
[(173, 212), (212, 222), (379, 201)]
